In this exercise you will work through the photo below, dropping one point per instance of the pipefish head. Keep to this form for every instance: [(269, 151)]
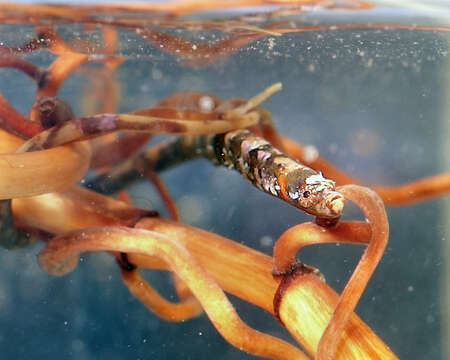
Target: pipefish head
[(318, 196)]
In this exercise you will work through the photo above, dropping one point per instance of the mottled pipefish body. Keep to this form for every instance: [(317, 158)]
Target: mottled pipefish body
[(275, 173), (255, 158)]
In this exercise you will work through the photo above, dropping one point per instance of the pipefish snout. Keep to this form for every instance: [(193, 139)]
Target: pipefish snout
[(335, 203), (319, 196)]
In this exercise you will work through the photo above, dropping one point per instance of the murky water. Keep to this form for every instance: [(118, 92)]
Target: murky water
[(373, 100)]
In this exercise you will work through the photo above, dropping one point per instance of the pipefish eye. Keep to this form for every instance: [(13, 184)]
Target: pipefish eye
[(308, 198)]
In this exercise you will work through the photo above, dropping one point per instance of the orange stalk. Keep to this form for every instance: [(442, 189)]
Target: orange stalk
[(237, 269), (59, 70), (408, 193), (61, 256), (164, 193), (183, 310), (306, 308), (305, 234), (14, 121), (39, 172), (373, 208)]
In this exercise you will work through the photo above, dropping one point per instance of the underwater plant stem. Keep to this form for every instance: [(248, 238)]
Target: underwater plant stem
[(402, 194), (40, 172), (239, 270), (309, 233), (101, 124), (169, 311), (164, 193), (306, 308), (415, 191), (12, 120), (61, 255), (373, 208)]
